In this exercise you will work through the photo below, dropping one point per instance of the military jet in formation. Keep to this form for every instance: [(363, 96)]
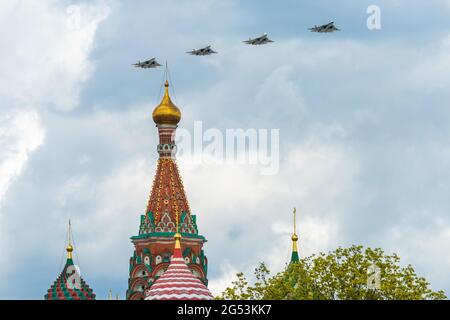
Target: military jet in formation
[(326, 28), (264, 39), (259, 40), (206, 51), (148, 64)]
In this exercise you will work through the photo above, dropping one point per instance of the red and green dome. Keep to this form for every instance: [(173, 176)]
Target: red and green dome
[(69, 285)]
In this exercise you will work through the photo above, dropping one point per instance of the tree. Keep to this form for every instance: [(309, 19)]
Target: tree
[(351, 273)]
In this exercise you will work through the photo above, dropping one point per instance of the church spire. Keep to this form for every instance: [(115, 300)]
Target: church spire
[(70, 285), (69, 247), (294, 256)]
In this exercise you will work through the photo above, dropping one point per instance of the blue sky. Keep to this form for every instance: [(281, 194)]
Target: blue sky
[(363, 118)]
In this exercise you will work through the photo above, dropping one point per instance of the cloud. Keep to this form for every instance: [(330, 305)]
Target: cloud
[(41, 70), (423, 244), (43, 67), (252, 213), (49, 61), (21, 133), (227, 275)]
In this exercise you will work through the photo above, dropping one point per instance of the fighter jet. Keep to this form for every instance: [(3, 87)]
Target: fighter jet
[(147, 64), (259, 40), (202, 52), (326, 28)]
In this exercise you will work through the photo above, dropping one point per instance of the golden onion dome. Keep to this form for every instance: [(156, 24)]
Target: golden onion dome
[(166, 112)]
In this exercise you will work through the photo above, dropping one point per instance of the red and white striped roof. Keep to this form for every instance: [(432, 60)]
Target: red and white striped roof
[(178, 282)]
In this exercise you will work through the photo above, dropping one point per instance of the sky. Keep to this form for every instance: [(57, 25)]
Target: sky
[(363, 119)]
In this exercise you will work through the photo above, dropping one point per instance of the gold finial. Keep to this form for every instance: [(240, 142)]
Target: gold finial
[(177, 238), (166, 112), (294, 234), (294, 256), (69, 251), (69, 248), (177, 235)]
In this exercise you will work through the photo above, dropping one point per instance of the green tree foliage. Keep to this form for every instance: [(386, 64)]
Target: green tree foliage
[(342, 274)]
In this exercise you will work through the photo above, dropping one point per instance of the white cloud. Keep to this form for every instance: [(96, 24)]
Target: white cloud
[(21, 133), (43, 64), (47, 61), (44, 67), (252, 214), (426, 247), (316, 235), (227, 275)]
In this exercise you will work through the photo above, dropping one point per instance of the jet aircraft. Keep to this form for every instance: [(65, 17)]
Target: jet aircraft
[(259, 40), (326, 28), (202, 52), (147, 64)]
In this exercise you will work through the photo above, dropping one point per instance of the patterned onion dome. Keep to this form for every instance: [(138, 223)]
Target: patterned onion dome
[(166, 112), (178, 282), (69, 285)]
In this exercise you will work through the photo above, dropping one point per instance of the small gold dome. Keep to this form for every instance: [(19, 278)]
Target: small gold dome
[(69, 248), (177, 238), (294, 237), (166, 112)]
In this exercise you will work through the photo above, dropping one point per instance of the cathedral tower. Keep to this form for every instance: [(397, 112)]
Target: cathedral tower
[(167, 214)]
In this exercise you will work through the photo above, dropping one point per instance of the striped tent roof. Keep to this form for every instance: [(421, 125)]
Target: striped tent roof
[(178, 282), (69, 285)]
